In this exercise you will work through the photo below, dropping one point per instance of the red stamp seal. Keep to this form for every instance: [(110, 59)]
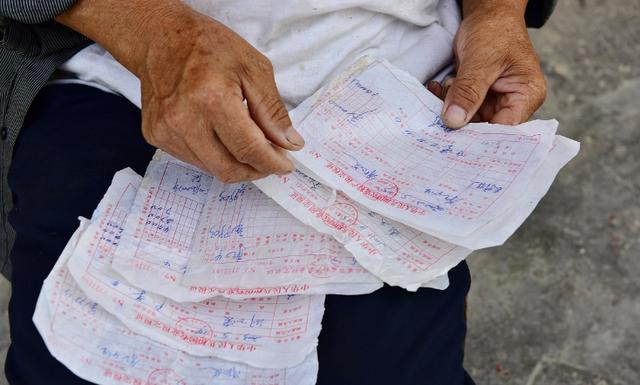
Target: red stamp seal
[(340, 215), (321, 265), (194, 328), (164, 377)]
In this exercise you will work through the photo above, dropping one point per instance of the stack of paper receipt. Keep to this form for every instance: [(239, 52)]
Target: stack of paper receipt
[(180, 279)]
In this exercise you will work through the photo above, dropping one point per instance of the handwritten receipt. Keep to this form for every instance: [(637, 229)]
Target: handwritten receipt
[(277, 331), (375, 134), (96, 346), (180, 279), (407, 196), (190, 237)]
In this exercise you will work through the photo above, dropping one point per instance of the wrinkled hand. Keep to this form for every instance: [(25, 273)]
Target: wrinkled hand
[(498, 78), (192, 104), (196, 76)]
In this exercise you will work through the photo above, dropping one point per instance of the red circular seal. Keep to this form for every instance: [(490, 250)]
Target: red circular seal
[(340, 215), (321, 265), (379, 189), (193, 327), (164, 377)]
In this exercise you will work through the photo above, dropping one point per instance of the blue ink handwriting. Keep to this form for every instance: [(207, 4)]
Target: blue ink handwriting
[(234, 195), (486, 187), (227, 231), (448, 198), (129, 359), (235, 255)]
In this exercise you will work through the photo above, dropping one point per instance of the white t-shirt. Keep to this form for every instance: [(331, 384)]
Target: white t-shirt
[(310, 41)]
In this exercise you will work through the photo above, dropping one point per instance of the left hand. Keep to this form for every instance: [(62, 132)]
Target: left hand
[(499, 79)]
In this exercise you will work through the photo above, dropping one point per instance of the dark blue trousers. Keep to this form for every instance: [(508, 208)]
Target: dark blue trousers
[(76, 137)]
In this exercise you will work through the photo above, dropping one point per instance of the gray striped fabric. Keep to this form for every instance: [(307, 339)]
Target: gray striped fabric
[(33, 11), (30, 50)]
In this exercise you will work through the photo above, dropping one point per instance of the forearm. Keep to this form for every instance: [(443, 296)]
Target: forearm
[(125, 28)]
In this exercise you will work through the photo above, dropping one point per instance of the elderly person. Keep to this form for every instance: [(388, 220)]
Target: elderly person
[(210, 82)]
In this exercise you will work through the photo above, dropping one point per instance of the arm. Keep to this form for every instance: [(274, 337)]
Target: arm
[(195, 74), (498, 78)]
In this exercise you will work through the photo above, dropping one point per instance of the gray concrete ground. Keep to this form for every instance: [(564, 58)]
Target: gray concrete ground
[(559, 303)]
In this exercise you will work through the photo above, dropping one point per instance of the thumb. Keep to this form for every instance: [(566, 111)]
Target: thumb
[(466, 93), (269, 112)]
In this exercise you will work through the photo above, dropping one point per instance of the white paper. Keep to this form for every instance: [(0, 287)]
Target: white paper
[(191, 237), (268, 332), (97, 347), (563, 150), (375, 134), (398, 254)]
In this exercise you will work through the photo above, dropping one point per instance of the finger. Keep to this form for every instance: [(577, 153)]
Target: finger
[(467, 92), (267, 109), (244, 139), (448, 81), (218, 161), (519, 97), (510, 109), (435, 88), (183, 152), (161, 138), (476, 118), (198, 145), (488, 108), (508, 115)]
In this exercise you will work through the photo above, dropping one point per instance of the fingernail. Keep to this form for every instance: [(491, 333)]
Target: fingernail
[(433, 83), (455, 116), (434, 87), (284, 172), (293, 137), (287, 170)]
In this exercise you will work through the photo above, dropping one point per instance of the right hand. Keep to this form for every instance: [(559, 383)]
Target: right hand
[(195, 75)]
